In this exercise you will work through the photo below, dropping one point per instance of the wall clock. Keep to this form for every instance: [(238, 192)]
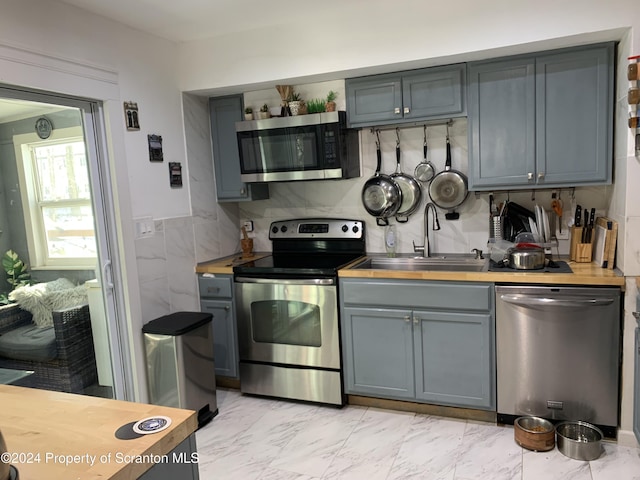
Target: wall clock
[(43, 127)]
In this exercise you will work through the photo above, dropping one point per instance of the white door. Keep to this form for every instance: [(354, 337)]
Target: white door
[(57, 213)]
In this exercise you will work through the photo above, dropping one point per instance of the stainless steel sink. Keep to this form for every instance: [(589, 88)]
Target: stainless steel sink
[(444, 263)]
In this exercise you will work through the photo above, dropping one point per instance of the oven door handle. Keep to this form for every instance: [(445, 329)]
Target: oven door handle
[(281, 281)]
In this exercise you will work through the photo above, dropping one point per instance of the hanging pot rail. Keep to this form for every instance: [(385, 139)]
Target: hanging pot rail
[(448, 122)]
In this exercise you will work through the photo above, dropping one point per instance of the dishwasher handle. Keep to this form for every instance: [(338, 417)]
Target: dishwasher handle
[(571, 302)]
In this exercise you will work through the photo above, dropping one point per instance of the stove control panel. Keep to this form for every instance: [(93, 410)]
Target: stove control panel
[(335, 228)]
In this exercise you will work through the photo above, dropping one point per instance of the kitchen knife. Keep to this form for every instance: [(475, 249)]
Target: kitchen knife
[(589, 227), (585, 227), (578, 216)]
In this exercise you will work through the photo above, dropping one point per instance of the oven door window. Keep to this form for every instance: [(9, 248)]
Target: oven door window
[(286, 322)]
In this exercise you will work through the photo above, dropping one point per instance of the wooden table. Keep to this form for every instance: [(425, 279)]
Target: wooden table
[(63, 436)]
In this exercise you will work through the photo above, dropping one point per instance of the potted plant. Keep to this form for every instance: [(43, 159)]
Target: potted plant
[(264, 112), (17, 273), (248, 113), (330, 105), (295, 104), (317, 105)]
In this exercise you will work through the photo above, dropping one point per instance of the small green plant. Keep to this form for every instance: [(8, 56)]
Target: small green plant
[(17, 273), (294, 97), (331, 96), (264, 108), (248, 110), (316, 105)]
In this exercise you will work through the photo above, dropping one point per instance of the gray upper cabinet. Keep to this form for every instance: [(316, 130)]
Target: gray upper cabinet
[(418, 95), (225, 112), (542, 120)]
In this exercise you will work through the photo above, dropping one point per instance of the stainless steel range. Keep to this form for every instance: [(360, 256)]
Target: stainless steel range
[(288, 324)]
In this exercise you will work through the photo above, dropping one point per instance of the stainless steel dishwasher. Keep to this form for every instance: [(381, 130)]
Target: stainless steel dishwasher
[(558, 353)]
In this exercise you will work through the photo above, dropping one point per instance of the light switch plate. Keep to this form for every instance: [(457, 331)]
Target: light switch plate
[(144, 227)]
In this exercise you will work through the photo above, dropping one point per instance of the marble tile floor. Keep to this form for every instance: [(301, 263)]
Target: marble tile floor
[(255, 438)]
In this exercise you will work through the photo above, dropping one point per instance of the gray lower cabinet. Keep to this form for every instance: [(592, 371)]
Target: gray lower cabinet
[(543, 120), (417, 95), (431, 342), (181, 462), (225, 112), (216, 298)]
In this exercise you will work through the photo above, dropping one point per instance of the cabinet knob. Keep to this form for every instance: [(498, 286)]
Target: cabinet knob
[(243, 191), (406, 109), (407, 318), (530, 176), (541, 176), (396, 110), (416, 320), (227, 308)]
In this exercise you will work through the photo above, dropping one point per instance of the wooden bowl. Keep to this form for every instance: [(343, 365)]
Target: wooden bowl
[(534, 433)]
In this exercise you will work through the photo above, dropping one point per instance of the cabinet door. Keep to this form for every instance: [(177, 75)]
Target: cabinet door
[(434, 93), (378, 352), (225, 112), (574, 108), (455, 359), (373, 100), (225, 340), (501, 124)]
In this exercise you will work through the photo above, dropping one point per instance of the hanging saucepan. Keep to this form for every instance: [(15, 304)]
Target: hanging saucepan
[(411, 189), (425, 170), (448, 189), (381, 195)]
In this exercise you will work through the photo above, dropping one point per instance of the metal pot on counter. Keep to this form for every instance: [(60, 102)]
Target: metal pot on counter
[(525, 256)]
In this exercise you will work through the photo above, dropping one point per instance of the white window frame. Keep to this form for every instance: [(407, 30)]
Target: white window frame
[(36, 237)]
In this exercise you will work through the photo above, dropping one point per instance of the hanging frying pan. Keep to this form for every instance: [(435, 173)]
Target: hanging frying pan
[(448, 189), (424, 170), (381, 195), (411, 189)]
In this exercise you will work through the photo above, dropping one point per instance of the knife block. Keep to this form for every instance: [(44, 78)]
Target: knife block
[(580, 252)]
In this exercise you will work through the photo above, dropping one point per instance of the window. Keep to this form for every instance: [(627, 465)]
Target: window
[(56, 197)]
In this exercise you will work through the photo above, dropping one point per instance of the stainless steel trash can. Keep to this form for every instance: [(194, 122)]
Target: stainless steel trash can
[(180, 366)]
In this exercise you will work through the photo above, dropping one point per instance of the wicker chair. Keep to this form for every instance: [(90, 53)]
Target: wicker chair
[(74, 367)]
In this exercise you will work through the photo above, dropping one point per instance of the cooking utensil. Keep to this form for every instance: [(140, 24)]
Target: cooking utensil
[(381, 195), (424, 170), (578, 216), (579, 440), (525, 257), (448, 189), (556, 206), (409, 186), (534, 433)]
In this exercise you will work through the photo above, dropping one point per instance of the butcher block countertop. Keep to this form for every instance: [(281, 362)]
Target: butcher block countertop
[(583, 273), (225, 265), (68, 431)]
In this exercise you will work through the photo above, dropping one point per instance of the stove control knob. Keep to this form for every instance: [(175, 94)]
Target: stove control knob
[(355, 229), (274, 230), (283, 229), (345, 228)]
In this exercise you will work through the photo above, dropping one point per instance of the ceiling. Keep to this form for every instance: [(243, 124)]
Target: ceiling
[(187, 20)]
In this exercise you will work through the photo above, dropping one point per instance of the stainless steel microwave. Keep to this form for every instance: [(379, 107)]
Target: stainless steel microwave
[(317, 146)]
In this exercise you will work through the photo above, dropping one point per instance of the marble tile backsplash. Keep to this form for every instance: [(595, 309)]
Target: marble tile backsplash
[(342, 198)]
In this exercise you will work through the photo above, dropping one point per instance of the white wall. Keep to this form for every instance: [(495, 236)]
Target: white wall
[(55, 47), (379, 35)]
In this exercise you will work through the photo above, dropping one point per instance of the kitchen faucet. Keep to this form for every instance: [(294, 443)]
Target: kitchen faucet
[(424, 249)]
